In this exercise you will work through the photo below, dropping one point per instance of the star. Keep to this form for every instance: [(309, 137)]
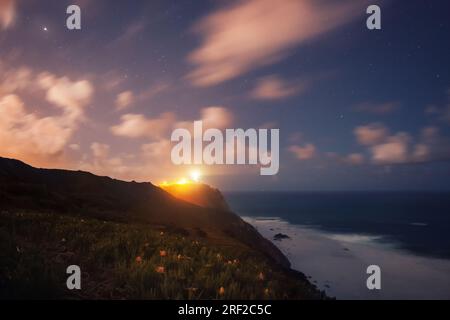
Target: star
[(45, 28)]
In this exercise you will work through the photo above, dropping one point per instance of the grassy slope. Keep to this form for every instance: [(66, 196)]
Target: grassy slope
[(24, 188), (36, 248)]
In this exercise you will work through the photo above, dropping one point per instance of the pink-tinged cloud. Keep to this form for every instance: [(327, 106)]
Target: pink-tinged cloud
[(101, 162), (216, 117), (274, 88), (402, 148), (150, 163), (371, 134), (25, 136), (355, 159), (74, 147), (7, 13), (139, 126), (253, 33), (153, 90), (158, 151), (212, 117), (72, 96), (40, 140), (393, 151), (100, 150), (303, 153), (124, 100), (17, 79), (432, 146)]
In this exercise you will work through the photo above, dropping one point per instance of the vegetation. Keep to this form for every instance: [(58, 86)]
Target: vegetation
[(132, 261)]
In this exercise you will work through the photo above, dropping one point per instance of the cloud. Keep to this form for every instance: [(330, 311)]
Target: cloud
[(216, 117), (402, 148), (157, 152), (432, 146), (28, 137), (253, 33), (100, 162), (100, 150), (40, 140), (273, 88), (371, 134), (111, 80), (12, 80), (355, 159), (124, 100), (378, 109), (138, 126), (392, 151), (73, 97), (153, 90), (303, 153), (384, 148), (7, 13), (75, 147), (150, 162)]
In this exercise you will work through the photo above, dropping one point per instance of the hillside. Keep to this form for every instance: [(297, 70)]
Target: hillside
[(37, 204), (198, 193)]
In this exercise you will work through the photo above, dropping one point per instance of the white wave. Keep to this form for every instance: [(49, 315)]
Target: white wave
[(419, 224)]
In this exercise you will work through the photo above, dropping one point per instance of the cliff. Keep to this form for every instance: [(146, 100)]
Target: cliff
[(75, 192), (200, 194), (117, 222)]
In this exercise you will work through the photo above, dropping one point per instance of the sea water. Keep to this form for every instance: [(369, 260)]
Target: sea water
[(335, 236)]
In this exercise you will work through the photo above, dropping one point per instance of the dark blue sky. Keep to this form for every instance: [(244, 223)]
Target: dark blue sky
[(357, 109)]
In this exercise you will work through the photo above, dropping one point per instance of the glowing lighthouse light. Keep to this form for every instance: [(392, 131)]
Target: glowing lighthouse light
[(195, 176)]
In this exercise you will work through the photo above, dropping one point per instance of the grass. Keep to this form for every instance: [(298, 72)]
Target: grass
[(131, 261)]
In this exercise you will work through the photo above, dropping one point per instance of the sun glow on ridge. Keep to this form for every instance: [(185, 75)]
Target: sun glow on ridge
[(194, 177)]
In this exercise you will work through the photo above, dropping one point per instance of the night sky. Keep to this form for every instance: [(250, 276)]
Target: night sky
[(357, 109)]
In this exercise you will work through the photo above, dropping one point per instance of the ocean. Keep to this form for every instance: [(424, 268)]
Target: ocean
[(334, 236)]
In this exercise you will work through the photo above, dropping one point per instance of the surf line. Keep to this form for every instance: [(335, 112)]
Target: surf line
[(242, 147)]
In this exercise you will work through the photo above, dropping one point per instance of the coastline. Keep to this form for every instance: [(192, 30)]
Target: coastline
[(312, 252)]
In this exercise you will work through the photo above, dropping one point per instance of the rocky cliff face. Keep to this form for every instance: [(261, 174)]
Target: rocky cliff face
[(200, 194)]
